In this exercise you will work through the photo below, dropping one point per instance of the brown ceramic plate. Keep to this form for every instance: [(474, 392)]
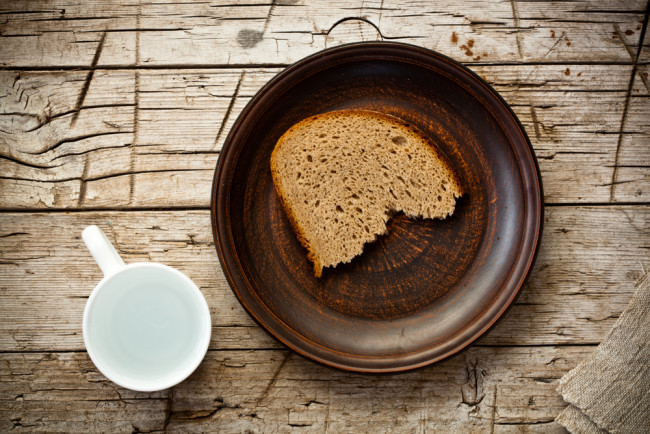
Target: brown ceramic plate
[(429, 287)]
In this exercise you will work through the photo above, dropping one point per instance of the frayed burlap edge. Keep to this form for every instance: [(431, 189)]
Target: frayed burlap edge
[(611, 388)]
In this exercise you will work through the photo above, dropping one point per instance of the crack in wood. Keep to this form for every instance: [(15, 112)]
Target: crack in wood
[(32, 258), (26, 164), (75, 139), (89, 77), (194, 415), (374, 8), (472, 390), (135, 208), (226, 118), (560, 20), (136, 109), (20, 95), (13, 234), (57, 19), (75, 154), (533, 115), (614, 181), (243, 18), (137, 33), (198, 415), (313, 402), (21, 114), (515, 16), (554, 154), (607, 318), (40, 11), (16, 80), (139, 29), (17, 423), (640, 229), (381, 12), (617, 29), (274, 379), (243, 5), (136, 135), (552, 361), (49, 119), (479, 22), (550, 50), (544, 345), (169, 108), (177, 152), (268, 17), (545, 380), (494, 410), (99, 178), (535, 422), (609, 11), (83, 186), (169, 407)]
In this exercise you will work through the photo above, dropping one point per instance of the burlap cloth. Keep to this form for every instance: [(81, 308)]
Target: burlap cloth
[(610, 391)]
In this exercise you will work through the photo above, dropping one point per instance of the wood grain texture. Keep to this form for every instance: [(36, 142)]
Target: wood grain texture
[(579, 286), (644, 55), (481, 390), (631, 176), (67, 33), (111, 128), (127, 146)]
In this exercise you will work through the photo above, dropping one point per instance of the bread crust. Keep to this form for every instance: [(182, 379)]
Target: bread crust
[(293, 221), (281, 189)]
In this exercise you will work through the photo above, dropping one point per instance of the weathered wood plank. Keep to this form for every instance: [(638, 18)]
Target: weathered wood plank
[(112, 129), (114, 147), (644, 56), (479, 390), (631, 177), (577, 26), (641, 86), (579, 285), (67, 32)]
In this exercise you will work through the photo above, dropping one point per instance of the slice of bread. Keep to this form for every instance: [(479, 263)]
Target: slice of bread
[(342, 175)]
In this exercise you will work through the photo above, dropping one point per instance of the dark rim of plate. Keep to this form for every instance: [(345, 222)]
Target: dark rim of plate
[(229, 259)]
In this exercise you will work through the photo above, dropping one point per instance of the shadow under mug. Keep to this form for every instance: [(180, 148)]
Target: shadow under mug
[(146, 326)]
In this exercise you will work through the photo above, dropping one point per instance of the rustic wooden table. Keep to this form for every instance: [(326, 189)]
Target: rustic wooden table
[(114, 114)]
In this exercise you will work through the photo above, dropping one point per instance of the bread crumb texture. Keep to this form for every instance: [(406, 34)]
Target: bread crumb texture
[(342, 175)]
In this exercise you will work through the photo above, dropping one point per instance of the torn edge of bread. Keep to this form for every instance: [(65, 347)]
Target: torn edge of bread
[(342, 175)]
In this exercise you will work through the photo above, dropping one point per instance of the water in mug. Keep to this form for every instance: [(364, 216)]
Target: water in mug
[(143, 327)]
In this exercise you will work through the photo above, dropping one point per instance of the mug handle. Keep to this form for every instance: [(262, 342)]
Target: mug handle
[(102, 250)]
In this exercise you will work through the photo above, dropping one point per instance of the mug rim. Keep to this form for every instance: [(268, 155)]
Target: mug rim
[(177, 375)]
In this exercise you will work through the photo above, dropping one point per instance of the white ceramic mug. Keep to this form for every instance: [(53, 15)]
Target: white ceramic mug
[(146, 326)]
